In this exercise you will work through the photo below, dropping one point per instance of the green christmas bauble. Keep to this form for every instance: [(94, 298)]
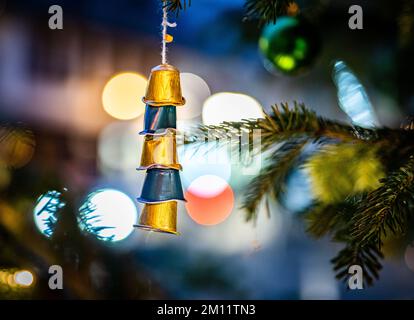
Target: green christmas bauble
[(290, 46)]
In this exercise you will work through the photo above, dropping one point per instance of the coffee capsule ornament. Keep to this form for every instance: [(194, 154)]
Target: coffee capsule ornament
[(158, 120), (164, 87), (160, 152), (162, 185), (159, 217)]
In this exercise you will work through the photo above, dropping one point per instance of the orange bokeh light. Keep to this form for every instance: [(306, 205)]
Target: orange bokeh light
[(209, 208)]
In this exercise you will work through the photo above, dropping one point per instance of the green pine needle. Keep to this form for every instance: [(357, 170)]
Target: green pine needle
[(367, 257), (176, 6), (386, 209), (284, 123), (272, 179), (360, 220), (267, 11)]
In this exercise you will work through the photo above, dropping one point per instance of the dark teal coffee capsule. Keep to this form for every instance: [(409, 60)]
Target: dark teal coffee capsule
[(162, 185), (158, 119)]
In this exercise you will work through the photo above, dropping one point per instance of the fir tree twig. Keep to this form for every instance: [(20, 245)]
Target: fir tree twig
[(284, 123), (176, 6), (273, 177), (359, 217), (267, 11), (387, 208), (367, 257)]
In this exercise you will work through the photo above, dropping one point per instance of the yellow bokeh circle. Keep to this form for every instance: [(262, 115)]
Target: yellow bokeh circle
[(122, 96)]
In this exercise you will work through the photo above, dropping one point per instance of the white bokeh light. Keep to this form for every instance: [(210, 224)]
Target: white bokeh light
[(207, 186), (195, 91), (247, 163), (229, 106), (120, 146), (23, 278), (204, 159), (187, 126), (108, 214)]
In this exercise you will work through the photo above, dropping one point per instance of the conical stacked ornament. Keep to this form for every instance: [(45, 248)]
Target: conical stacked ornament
[(162, 187)]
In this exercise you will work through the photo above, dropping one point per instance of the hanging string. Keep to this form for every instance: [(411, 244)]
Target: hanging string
[(164, 35), (165, 24)]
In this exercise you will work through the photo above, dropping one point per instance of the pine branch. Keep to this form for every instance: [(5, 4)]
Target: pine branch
[(283, 124), (387, 208), (336, 219), (367, 257), (362, 220), (363, 212), (267, 11), (273, 177), (325, 219), (298, 125), (176, 6)]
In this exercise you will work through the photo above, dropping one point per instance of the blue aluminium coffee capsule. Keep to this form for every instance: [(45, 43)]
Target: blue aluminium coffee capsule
[(158, 119), (162, 185)]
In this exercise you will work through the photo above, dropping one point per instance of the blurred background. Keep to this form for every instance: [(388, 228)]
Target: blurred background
[(70, 135)]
